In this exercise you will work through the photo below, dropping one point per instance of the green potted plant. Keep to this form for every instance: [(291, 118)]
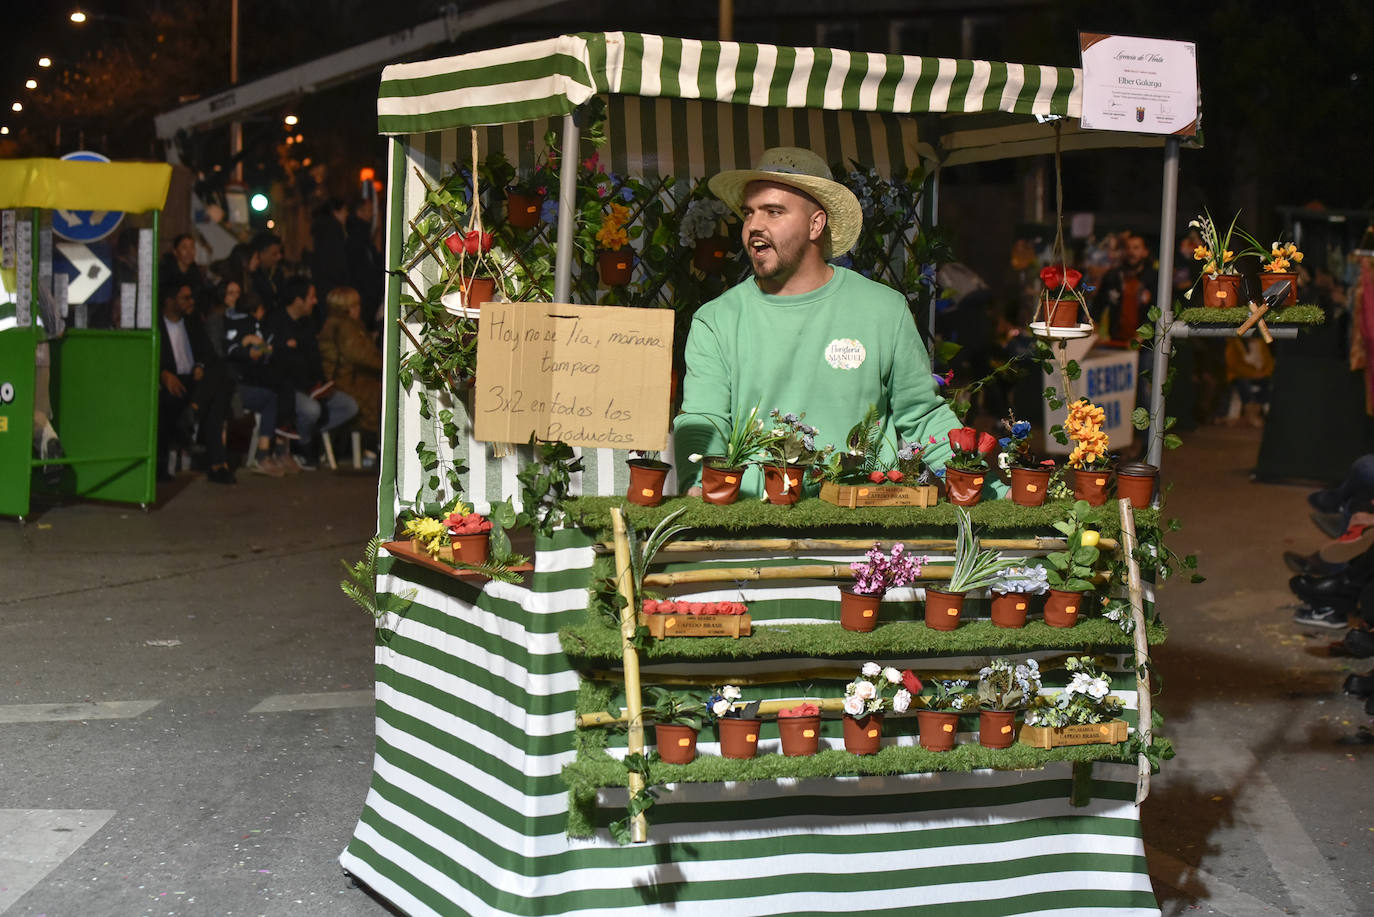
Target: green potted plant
[(1003, 689), (677, 721), (746, 438), (647, 475), (1089, 461), (1030, 475), (867, 698), (967, 467), (704, 229), (1086, 701), (525, 194), (859, 474), (873, 577), (737, 722), (1071, 570), (1011, 589), (1220, 277), (938, 721), (799, 729), (973, 569), (790, 456)]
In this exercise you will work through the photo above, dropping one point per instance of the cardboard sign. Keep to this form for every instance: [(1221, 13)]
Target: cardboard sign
[(1108, 380), (1139, 85), (595, 376)]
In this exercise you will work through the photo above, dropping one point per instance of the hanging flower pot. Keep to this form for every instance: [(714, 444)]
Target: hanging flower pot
[(938, 729), (522, 210), (615, 267), (1009, 609), (738, 738), (996, 728), (859, 612), (1091, 485), (964, 488), (1029, 486), (646, 481), (1062, 608), (863, 735), (943, 608), (720, 485), (801, 735), (709, 254), (1136, 482), (1269, 278), (478, 290), (471, 549), (1221, 291), (676, 744), (773, 483), (1061, 313)]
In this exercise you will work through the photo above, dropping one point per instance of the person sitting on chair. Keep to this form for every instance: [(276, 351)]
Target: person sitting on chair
[(195, 387)]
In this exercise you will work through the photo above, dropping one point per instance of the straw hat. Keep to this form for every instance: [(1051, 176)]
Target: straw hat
[(804, 170)]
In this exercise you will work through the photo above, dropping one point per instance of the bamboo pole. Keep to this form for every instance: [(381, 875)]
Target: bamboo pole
[(932, 572), (1142, 649), (639, 827), (859, 544)]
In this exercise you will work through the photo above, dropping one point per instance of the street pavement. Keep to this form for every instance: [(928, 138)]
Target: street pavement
[(186, 723)]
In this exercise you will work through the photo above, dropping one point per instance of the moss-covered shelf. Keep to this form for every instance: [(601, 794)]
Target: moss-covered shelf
[(819, 518), (599, 643), (594, 770), (1290, 315)]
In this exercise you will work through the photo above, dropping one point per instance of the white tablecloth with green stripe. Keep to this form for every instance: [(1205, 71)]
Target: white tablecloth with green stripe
[(467, 809)]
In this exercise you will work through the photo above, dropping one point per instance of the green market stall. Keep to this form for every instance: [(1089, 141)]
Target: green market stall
[(103, 382), (488, 797)]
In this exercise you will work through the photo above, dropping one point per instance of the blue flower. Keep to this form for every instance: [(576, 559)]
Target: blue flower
[(1004, 442), (549, 212), (1020, 429), (939, 472), (939, 380), (627, 194)]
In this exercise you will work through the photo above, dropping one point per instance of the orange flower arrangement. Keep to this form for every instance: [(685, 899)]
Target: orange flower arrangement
[(612, 235), (1084, 427)]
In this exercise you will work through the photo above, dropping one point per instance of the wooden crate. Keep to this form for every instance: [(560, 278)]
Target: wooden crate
[(677, 625), (856, 495), (1109, 733)]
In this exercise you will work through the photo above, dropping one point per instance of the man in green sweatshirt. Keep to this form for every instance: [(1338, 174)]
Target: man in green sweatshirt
[(803, 335)]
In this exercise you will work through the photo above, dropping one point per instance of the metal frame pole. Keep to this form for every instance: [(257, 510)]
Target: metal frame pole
[(1168, 219), (567, 210)]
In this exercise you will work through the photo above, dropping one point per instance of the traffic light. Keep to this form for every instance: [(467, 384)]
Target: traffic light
[(259, 202)]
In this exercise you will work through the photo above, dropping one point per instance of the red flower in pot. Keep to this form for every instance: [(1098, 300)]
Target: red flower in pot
[(471, 242)]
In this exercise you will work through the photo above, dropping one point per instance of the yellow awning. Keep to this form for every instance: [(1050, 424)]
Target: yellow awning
[(65, 184)]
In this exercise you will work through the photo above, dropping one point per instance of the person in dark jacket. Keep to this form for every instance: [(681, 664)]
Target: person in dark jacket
[(267, 276), (1126, 292), (263, 387), (320, 407), (194, 385), (329, 262)]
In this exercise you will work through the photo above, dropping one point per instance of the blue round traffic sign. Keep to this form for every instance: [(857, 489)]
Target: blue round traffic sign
[(85, 225)]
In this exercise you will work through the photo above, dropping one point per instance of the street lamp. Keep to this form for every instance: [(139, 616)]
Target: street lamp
[(31, 84), (4, 130), (78, 17), (291, 120), (45, 62), (17, 106)]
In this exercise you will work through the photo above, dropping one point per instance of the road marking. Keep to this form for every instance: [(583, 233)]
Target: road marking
[(331, 700), (56, 713), (1218, 895), (34, 842)]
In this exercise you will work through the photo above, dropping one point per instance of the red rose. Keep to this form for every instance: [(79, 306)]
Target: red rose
[(1055, 277), (986, 442), (964, 439), (666, 607), (801, 710), (877, 477), (911, 682), (895, 476), (650, 606), (454, 243), (696, 608), (738, 608)]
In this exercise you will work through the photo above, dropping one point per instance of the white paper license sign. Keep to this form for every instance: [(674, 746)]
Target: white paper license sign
[(1139, 85)]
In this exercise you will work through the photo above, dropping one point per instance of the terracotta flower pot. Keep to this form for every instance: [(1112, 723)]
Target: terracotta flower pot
[(772, 483), (801, 735), (859, 612), (1009, 609), (522, 210), (964, 488), (1091, 485), (1268, 279), (1136, 481), (471, 549), (996, 728), (1221, 291), (477, 291), (709, 254), (1062, 608), (1029, 486), (942, 609), (615, 267), (864, 735), (938, 729), (646, 481), (720, 485), (676, 744), (1062, 313), (738, 738)]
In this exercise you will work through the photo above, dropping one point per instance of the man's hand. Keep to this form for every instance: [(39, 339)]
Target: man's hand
[(694, 490), (173, 384)]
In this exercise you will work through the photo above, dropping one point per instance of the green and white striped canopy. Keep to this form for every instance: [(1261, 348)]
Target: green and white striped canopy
[(549, 78)]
